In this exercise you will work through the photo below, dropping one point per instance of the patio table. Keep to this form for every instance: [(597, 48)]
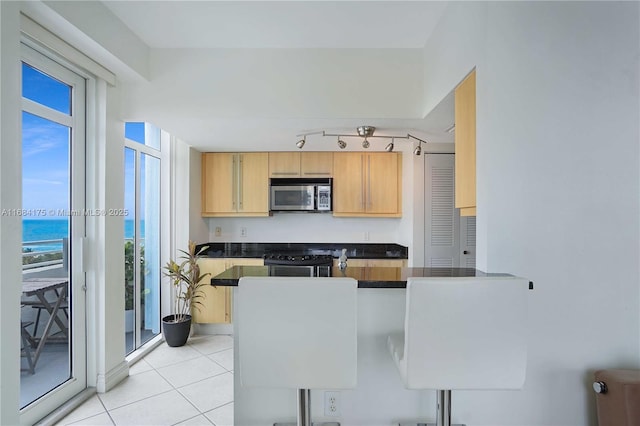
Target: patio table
[(39, 287)]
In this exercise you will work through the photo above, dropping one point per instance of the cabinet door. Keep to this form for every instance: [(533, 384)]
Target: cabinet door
[(348, 183), (218, 183), (465, 145), (316, 164), (231, 262), (387, 269), (284, 164), (383, 191), (213, 306), (253, 183)]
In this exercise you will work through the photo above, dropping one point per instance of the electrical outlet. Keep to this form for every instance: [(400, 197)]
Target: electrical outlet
[(218, 231), (243, 231), (366, 236), (332, 404)]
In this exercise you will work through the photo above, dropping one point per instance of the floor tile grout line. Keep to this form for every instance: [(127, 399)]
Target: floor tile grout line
[(202, 412)]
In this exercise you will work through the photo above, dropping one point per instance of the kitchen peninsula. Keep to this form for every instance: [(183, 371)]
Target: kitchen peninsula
[(380, 397)]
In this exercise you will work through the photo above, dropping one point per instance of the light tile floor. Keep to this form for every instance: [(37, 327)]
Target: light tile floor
[(190, 385)]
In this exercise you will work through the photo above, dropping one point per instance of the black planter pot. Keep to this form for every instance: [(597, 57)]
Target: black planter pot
[(176, 333)]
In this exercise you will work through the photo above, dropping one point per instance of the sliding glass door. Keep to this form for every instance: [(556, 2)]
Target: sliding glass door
[(142, 234)]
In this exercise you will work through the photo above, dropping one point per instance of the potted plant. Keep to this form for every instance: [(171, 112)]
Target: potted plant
[(186, 281)]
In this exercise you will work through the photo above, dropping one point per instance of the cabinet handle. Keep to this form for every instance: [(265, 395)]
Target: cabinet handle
[(285, 173), (240, 173), (362, 178), (234, 185), (317, 173), (369, 182)]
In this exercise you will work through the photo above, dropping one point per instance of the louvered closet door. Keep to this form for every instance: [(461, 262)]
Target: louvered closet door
[(449, 239), (442, 245)]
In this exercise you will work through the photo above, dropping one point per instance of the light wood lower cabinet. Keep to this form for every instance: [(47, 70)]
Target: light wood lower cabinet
[(387, 268), (216, 303)]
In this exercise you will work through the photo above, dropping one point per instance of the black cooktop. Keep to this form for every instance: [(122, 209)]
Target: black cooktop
[(298, 259)]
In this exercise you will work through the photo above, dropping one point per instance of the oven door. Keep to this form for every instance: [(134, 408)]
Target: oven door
[(292, 198), (299, 271), (291, 271)]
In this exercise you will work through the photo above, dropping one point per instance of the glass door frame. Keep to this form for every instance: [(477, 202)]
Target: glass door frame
[(139, 149), (80, 83)]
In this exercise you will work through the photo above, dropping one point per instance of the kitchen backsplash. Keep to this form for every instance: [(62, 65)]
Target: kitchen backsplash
[(307, 227)]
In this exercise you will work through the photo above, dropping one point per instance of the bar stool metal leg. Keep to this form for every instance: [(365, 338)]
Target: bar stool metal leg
[(304, 407), (444, 408)]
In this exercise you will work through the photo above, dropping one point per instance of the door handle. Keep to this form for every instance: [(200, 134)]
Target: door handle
[(465, 252)]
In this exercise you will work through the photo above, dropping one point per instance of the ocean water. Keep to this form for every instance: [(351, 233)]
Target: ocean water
[(55, 229)]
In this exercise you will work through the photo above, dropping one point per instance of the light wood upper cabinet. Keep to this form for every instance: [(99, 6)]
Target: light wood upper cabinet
[(284, 164), (235, 184), (465, 146), (316, 164), (367, 184), (300, 164)]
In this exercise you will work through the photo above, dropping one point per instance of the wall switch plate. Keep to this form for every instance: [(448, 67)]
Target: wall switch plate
[(332, 404), (366, 235), (218, 231)]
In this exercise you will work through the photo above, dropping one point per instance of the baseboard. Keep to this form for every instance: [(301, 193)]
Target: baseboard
[(210, 329), (114, 376)]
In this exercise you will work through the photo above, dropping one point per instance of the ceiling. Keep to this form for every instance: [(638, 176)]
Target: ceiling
[(284, 25), (280, 24)]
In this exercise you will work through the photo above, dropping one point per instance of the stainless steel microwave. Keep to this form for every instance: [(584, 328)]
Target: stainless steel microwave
[(304, 195)]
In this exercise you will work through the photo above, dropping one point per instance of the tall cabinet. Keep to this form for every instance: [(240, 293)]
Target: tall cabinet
[(465, 145), (367, 184), (235, 184)]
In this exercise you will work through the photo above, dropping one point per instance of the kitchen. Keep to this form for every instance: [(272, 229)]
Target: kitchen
[(553, 160)]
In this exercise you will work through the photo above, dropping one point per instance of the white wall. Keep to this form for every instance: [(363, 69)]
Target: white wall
[(266, 96), (557, 189)]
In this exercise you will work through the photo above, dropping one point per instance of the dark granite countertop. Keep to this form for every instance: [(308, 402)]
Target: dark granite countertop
[(354, 250), (368, 277)]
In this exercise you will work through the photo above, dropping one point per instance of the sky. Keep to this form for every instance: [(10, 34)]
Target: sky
[(46, 152)]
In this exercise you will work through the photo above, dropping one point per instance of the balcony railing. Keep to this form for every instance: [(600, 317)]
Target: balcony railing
[(41, 258)]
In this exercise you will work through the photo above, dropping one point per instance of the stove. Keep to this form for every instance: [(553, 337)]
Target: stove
[(299, 265), (298, 259)]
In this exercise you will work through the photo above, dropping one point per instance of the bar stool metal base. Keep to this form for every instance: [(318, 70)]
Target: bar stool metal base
[(304, 412), (443, 416)]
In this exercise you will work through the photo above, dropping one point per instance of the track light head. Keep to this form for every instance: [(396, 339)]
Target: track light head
[(418, 149), (365, 143), (389, 147), (301, 142), (342, 144)]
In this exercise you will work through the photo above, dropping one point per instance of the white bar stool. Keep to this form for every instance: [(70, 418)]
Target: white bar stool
[(462, 333), (297, 333)]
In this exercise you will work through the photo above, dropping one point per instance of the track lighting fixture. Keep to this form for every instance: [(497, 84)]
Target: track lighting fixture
[(365, 132), (389, 147)]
